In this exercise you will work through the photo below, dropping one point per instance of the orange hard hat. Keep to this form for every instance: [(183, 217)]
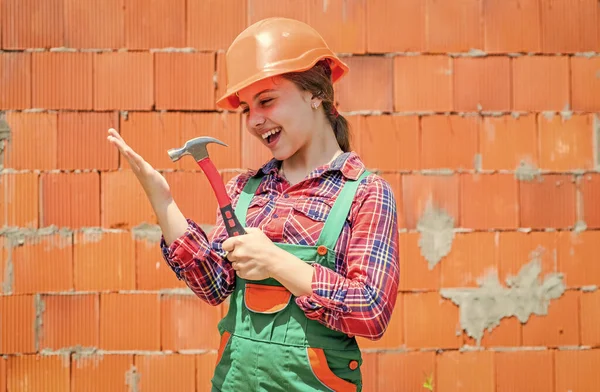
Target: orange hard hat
[(270, 47)]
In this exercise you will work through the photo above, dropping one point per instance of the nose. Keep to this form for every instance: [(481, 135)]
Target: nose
[(255, 119)]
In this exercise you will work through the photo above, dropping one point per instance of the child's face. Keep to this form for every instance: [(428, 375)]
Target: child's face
[(278, 108)]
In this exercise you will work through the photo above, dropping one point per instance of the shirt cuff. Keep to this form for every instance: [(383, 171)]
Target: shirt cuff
[(183, 252), (327, 295)]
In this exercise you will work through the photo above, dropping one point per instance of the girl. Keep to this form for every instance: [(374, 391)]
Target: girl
[(318, 265)]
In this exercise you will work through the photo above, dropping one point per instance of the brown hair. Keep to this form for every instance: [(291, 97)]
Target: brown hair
[(317, 80)]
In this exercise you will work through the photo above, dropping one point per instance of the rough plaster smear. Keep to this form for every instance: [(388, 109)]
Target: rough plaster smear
[(437, 233), (482, 308), (132, 379), (526, 172)]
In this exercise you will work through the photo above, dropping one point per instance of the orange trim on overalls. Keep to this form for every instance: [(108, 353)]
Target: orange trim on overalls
[(321, 370)]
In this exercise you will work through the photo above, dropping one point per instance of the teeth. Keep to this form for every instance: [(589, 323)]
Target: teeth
[(271, 132)]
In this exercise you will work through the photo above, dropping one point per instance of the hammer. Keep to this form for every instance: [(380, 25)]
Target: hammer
[(197, 149)]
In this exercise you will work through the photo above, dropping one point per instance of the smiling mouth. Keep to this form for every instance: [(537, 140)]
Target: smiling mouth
[(270, 135)]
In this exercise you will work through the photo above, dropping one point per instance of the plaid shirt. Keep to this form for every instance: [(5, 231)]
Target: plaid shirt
[(359, 296)]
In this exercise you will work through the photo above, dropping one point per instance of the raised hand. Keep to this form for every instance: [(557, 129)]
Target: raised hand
[(154, 184)]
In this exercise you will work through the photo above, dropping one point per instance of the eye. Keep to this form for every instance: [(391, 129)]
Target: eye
[(245, 110), (265, 101)]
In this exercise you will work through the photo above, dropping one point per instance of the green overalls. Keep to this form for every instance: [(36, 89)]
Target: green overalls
[(267, 342)]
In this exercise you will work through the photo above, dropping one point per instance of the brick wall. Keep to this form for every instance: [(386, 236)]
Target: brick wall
[(484, 115)]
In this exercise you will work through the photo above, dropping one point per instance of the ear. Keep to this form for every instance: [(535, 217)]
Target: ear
[(315, 102)]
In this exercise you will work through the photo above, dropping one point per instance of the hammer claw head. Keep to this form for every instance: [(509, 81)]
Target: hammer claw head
[(195, 147)]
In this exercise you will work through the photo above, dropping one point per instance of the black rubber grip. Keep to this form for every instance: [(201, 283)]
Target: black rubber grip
[(232, 224)]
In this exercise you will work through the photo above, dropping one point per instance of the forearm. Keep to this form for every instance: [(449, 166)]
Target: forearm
[(171, 220), (293, 273)]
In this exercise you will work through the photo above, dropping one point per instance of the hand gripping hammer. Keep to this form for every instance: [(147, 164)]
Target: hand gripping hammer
[(197, 149)]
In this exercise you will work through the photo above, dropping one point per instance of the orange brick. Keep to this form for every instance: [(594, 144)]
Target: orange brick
[(152, 369), (254, 153), (18, 324), (94, 24), (430, 321), (394, 181), (182, 317), (423, 83), (15, 85), (517, 249), (3, 373), (416, 274), (454, 26), (540, 83), (225, 127), (566, 144), (489, 201), (420, 190), (465, 371), (340, 23), (357, 127), (577, 255), (39, 373), (370, 371), (151, 270), (124, 80), (393, 338), (560, 327), (262, 9), (98, 373), (221, 76), (569, 27), (590, 192), (44, 263), (472, 257), (32, 24), (159, 26), (360, 91), (548, 202), (482, 84), (507, 334), (69, 321), (390, 143), (205, 367), (81, 141), (506, 141), (61, 80), (449, 142), (19, 199), (104, 261), (124, 203), (402, 20), (405, 371), (577, 370), (214, 24), (590, 319), (70, 199), (184, 81), (150, 135), (512, 26), (585, 83), (139, 312), (513, 371), (33, 141), (194, 196)]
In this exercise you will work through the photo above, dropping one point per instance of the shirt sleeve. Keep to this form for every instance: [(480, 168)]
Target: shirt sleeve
[(197, 257), (360, 303)]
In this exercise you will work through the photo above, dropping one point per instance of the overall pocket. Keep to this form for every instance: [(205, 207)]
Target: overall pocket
[(266, 299), (322, 371)]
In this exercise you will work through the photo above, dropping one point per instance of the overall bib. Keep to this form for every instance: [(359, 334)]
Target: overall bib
[(267, 342)]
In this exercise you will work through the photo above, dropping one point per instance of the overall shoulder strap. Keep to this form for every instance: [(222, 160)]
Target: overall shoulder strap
[(339, 212), (246, 196)]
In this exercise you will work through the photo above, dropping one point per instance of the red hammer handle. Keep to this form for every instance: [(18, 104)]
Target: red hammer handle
[(232, 225)]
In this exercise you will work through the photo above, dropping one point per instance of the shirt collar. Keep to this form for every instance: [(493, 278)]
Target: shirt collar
[(348, 163)]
